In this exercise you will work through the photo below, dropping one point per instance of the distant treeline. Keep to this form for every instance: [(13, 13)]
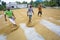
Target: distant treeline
[(50, 3)]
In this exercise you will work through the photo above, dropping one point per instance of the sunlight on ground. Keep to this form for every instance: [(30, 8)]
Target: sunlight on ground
[(52, 15)]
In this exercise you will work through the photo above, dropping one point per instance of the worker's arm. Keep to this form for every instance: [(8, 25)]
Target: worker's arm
[(27, 12), (32, 11), (13, 15), (5, 17)]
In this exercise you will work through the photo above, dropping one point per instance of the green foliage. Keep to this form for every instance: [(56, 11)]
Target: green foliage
[(18, 2), (3, 3), (35, 4), (3, 6), (31, 2), (52, 3), (24, 2)]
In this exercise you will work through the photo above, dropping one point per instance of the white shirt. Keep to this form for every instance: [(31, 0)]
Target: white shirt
[(30, 11)]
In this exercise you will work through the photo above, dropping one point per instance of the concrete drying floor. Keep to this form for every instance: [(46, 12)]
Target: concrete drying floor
[(36, 30)]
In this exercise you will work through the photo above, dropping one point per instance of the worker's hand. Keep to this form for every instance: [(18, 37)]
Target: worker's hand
[(14, 17)]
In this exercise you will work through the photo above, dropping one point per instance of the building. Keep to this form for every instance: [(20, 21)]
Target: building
[(11, 5), (21, 5), (15, 5)]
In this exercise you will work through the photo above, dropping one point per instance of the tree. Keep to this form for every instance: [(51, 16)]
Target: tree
[(24, 2), (34, 4), (50, 3), (3, 6), (18, 2), (58, 2), (3, 3), (45, 2), (31, 3), (37, 3)]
